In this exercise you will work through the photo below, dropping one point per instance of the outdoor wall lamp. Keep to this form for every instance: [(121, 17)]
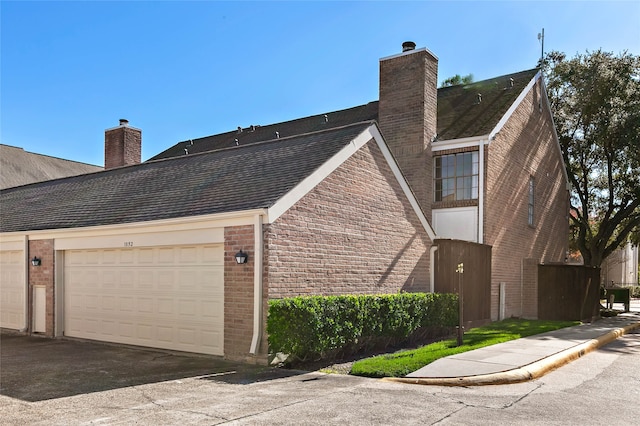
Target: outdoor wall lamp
[(36, 261), (241, 257)]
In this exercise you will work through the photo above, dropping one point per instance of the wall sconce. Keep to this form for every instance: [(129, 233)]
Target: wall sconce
[(241, 257), (36, 261)]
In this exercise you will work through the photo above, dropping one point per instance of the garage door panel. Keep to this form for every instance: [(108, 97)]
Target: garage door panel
[(169, 297), (12, 289)]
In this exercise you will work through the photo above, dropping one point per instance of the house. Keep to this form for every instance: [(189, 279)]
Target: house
[(349, 201), (20, 167)]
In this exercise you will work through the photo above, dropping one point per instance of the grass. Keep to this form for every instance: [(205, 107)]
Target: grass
[(401, 363)]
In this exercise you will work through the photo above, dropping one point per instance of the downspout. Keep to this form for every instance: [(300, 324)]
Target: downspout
[(481, 192), (432, 272), (257, 284)]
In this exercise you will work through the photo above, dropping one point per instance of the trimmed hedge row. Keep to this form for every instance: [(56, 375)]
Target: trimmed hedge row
[(315, 327)]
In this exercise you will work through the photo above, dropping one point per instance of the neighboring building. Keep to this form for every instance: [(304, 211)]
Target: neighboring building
[(19, 167), (329, 204), (621, 267)]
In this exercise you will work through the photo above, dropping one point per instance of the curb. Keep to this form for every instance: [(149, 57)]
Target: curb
[(531, 371)]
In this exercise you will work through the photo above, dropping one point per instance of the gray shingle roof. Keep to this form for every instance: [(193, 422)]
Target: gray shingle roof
[(20, 167), (459, 116), (226, 180)]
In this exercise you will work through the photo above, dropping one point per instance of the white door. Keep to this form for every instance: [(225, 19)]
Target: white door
[(163, 297), (12, 289)]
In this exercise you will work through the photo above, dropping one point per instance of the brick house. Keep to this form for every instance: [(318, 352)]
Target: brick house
[(341, 202)]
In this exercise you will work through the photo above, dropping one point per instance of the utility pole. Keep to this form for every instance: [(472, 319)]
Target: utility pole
[(541, 40)]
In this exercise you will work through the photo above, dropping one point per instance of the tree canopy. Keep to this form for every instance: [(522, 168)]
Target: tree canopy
[(457, 79), (595, 101)]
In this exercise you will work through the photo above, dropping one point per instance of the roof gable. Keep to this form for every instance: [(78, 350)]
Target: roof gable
[(241, 178)]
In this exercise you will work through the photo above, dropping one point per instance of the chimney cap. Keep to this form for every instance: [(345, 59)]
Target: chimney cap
[(408, 45), (124, 122)]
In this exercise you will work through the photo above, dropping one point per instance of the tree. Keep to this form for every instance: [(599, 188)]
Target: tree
[(457, 79), (595, 101)]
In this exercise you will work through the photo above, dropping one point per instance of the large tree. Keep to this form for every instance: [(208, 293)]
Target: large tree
[(595, 100)]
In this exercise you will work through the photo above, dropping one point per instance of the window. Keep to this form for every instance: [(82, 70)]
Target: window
[(531, 201), (456, 177)]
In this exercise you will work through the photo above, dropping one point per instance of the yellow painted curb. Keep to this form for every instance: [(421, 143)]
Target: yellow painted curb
[(528, 372)]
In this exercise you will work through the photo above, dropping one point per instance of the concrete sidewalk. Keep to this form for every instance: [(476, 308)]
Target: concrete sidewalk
[(523, 359)]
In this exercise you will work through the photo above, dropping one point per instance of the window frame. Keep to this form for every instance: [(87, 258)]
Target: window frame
[(456, 177), (531, 204)]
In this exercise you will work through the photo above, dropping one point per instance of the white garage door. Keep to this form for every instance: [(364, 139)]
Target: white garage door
[(163, 297), (12, 289)]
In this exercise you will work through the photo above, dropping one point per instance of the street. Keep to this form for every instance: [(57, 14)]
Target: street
[(601, 387)]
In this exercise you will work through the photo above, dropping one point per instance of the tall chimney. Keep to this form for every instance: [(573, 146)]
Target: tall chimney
[(407, 114), (122, 145)]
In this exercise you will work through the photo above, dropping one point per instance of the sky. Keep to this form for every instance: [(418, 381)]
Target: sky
[(189, 69)]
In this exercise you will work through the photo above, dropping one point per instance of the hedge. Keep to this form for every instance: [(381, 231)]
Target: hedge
[(315, 327)]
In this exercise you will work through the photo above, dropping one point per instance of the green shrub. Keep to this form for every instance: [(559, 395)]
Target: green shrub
[(321, 326)]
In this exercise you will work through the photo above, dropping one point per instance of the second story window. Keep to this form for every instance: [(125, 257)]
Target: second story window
[(531, 201), (456, 176)]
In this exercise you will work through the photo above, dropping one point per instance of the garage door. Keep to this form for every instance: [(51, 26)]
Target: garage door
[(12, 289), (163, 297)]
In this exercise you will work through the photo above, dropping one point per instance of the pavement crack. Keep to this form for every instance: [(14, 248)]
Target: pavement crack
[(269, 410), (512, 403), (450, 414)]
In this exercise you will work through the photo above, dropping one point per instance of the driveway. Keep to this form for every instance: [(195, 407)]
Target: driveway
[(35, 368)]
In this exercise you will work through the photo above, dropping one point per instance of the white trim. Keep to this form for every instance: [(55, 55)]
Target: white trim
[(257, 284), (432, 268), (514, 106), (12, 245), (555, 133), (409, 52), (149, 239), (311, 181), (480, 228), (58, 294), (375, 132), (458, 143), (438, 215), (218, 220)]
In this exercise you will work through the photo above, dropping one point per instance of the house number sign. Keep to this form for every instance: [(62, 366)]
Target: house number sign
[(128, 243)]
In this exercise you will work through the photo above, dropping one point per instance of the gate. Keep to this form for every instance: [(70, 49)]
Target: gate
[(476, 279)]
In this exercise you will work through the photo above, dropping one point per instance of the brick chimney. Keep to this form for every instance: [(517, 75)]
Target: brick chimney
[(407, 114), (122, 145)]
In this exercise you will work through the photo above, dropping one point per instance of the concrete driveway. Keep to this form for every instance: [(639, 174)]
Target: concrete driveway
[(35, 369)]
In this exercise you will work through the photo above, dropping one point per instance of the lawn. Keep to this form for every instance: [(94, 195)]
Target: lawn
[(401, 363)]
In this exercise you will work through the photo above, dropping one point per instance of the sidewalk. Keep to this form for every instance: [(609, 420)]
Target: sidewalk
[(524, 359)]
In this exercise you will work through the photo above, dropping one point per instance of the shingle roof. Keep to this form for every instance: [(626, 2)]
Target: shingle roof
[(226, 180), (459, 116), (19, 167)]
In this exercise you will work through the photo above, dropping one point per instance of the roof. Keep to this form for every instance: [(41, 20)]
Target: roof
[(243, 177), (20, 167), (460, 115)]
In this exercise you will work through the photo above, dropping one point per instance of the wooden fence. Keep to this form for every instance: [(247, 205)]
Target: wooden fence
[(476, 279), (568, 292)]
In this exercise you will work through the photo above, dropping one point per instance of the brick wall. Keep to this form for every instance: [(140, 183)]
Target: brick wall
[(122, 146), (42, 275), (355, 233), (238, 297), (525, 147), (407, 114)]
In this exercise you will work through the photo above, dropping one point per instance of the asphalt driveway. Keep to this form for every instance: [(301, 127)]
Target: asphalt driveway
[(35, 369)]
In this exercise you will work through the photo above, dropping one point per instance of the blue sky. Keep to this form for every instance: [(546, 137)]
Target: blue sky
[(183, 70)]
